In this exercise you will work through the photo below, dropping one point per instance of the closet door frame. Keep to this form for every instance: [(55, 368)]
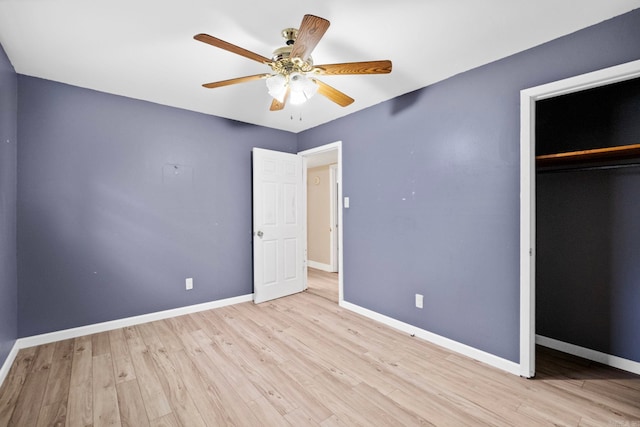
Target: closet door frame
[(528, 99)]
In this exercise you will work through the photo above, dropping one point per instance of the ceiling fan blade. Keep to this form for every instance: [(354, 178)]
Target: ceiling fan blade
[(213, 41), (333, 94), (235, 81), (311, 31), (368, 67), (277, 105)]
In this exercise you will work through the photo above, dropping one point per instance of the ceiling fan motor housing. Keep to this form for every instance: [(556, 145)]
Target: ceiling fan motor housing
[(290, 35), (284, 64)]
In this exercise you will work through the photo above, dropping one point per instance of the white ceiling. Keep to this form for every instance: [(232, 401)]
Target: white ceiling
[(144, 49)]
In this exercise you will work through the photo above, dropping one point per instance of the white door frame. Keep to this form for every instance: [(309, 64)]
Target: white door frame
[(528, 99), (334, 183), (317, 150)]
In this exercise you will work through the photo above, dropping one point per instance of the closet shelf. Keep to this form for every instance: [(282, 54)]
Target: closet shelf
[(598, 154)]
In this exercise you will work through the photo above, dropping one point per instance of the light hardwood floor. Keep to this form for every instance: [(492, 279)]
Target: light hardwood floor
[(323, 284), (296, 361)]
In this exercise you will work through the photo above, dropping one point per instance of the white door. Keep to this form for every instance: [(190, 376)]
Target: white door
[(278, 225)]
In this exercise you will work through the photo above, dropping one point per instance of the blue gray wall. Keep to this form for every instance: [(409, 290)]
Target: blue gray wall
[(8, 186), (120, 200), (588, 225), (433, 181)]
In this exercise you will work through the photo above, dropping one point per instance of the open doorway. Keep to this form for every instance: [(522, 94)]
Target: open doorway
[(324, 220)]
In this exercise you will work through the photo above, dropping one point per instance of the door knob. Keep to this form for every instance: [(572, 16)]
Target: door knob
[(260, 234)]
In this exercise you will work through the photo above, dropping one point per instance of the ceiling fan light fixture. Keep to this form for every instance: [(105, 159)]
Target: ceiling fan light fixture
[(277, 85), (302, 88)]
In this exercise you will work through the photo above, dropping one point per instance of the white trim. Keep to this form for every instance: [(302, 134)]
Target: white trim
[(328, 147), (586, 353), (128, 321), (449, 344), (6, 366), (528, 98), (340, 227), (527, 237), (333, 217), (320, 266), (305, 233)]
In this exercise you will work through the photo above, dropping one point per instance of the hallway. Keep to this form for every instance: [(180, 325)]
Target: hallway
[(323, 284)]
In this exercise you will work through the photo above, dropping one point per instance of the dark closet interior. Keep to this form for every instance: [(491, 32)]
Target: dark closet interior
[(588, 219)]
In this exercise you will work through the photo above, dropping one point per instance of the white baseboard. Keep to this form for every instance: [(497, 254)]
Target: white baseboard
[(586, 353), (449, 344), (6, 366), (320, 266), (129, 321)]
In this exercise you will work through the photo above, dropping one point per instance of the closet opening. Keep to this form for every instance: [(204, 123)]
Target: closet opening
[(578, 226), (588, 220)]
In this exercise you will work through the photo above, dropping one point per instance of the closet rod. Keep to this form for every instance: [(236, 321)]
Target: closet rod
[(590, 168)]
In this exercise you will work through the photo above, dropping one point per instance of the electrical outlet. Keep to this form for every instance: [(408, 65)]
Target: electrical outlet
[(189, 283), (419, 301)]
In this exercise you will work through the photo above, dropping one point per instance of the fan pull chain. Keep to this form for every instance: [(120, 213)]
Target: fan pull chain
[(300, 118)]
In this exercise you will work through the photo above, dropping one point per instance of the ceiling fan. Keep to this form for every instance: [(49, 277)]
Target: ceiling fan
[(293, 75)]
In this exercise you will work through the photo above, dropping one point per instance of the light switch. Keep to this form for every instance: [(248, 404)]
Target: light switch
[(346, 202)]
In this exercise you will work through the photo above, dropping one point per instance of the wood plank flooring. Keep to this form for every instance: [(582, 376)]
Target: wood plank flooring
[(323, 284), (296, 361)]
